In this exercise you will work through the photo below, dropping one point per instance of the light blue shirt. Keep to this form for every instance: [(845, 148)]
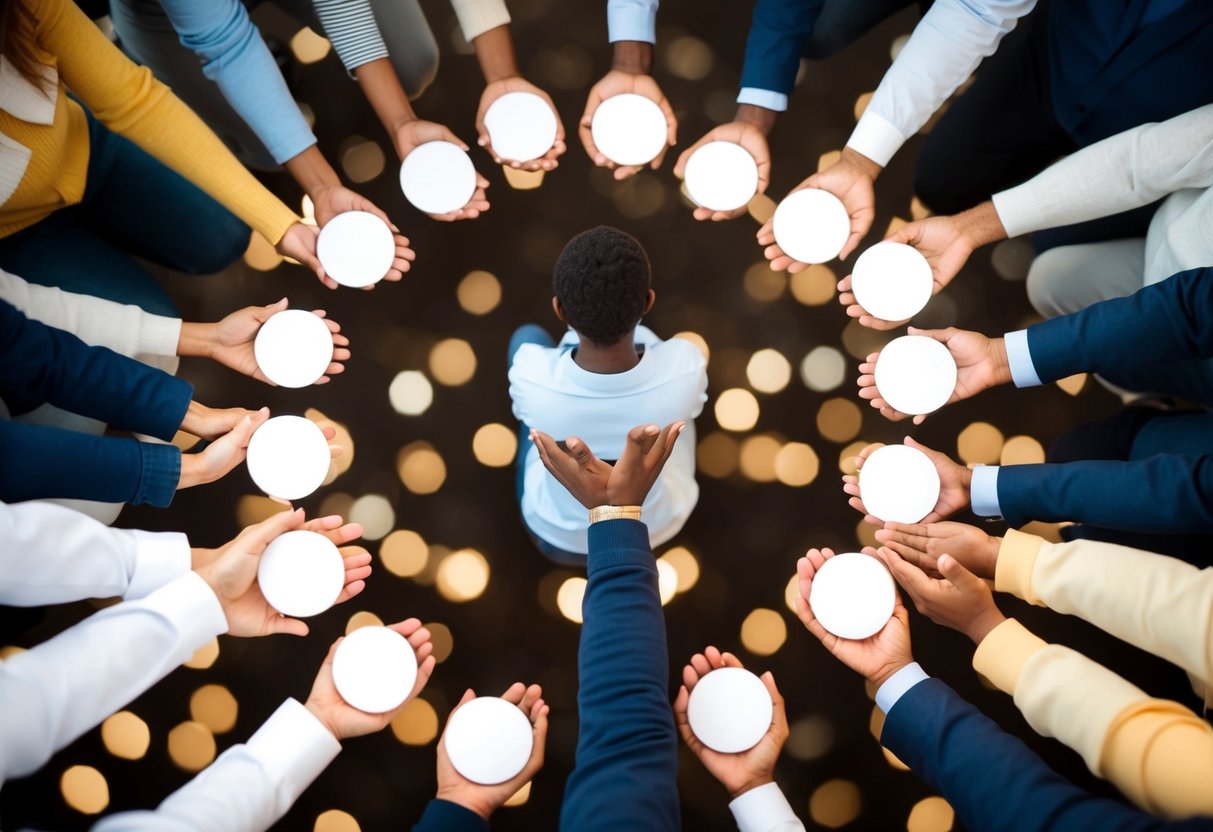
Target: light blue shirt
[(898, 684), (632, 20)]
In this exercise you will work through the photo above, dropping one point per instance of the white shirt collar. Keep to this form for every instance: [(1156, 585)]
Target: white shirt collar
[(22, 99)]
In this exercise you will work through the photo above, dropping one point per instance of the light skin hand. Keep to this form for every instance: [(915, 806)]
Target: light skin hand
[(741, 772), (959, 600), (299, 244), (211, 423), (412, 134), (484, 800), (629, 73), (877, 657), (751, 137), (345, 721), (981, 363), (222, 455), (923, 544), (954, 480)]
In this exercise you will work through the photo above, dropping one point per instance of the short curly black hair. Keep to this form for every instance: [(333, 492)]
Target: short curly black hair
[(602, 281)]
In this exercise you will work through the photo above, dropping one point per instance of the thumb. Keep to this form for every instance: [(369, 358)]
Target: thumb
[(958, 576), (258, 536)]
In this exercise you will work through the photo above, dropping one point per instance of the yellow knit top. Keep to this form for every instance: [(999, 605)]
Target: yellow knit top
[(128, 100)]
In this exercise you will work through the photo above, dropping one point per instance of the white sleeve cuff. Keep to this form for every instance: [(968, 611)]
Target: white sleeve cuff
[(764, 809), (769, 99), (983, 491), (1019, 359), (896, 685), (632, 20), (190, 603), (158, 336), (293, 747), (876, 138), (479, 16), (1018, 211), (160, 558)]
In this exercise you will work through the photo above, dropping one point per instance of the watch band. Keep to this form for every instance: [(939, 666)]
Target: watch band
[(600, 513)]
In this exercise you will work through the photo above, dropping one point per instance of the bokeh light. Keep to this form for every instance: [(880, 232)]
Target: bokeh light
[(809, 738), (335, 820), (758, 457), (360, 619), (416, 724), (404, 553), (495, 445), (1021, 450), (126, 736), (931, 814), (718, 455), (309, 47), (215, 707), (762, 284), (848, 455), (375, 514), (204, 656), (815, 286), (667, 581), (839, 420), (685, 564), (362, 159), (420, 468), (763, 632), (698, 340), (410, 393), (479, 293), (689, 58), (191, 745), (569, 597), (796, 464), (823, 369), (442, 640), (736, 409), (520, 797), (85, 789), (835, 803), (979, 444), (768, 371), (452, 362), (261, 255), (462, 575)]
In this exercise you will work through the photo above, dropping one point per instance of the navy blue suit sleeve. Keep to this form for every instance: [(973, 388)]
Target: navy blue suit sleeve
[(38, 462), (993, 781), (627, 752), (444, 816), (40, 364), (779, 31), (1166, 493), (1163, 322)]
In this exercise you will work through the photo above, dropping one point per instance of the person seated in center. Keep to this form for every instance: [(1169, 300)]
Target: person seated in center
[(607, 374)]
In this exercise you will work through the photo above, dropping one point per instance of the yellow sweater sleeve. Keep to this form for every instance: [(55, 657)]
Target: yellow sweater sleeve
[(1157, 752), (128, 100)]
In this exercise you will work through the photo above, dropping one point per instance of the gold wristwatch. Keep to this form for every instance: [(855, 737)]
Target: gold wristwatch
[(600, 513)]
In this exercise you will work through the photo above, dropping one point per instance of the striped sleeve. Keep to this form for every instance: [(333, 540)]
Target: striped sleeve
[(350, 26)]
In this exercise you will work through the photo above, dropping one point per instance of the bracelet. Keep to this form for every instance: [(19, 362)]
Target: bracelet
[(600, 513)]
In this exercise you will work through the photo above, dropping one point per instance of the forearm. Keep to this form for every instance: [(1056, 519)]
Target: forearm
[(196, 339), (312, 171), (495, 53), (387, 98), (779, 33), (632, 56), (351, 27), (760, 117)]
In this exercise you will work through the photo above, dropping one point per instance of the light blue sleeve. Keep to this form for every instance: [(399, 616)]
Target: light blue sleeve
[(983, 491), (898, 684), (236, 58), (776, 101), (1019, 359), (632, 20)]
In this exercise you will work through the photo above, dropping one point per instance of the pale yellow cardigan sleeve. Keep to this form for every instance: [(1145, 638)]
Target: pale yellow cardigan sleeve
[(478, 16)]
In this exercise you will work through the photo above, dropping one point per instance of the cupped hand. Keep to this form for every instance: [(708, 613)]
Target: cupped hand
[(212, 422), (516, 83), (617, 82), (221, 455), (959, 599), (923, 544), (233, 337), (749, 137), (954, 480), (299, 244), (415, 133), (596, 483)]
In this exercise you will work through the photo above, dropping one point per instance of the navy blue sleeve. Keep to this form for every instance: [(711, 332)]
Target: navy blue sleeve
[(40, 364), (993, 781), (1160, 323), (627, 750), (444, 816), (779, 32), (1166, 493), (39, 462)]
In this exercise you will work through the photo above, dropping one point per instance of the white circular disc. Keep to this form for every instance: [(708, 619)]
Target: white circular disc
[(488, 740), (521, 126), (629, 129), (853, 595), (892, 281), (293, 348), (898, 483), (301, 573), (356, 249), (721, 176), (374, 669), (288, 457), (730, 710), (915, 374), (811, 225), (438, 177)]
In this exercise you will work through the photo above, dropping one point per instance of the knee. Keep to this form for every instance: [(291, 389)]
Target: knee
[(1045, 283), (824, 43), (418, 69), (226, 240)]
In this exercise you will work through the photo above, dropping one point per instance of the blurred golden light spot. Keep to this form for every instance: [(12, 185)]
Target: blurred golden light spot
[(860, 341), (1049, 531), (897, 45), (689, 58), (823, 369), (815, 285), (979, 444), (191, 746), (183, 441), (215, 707), (361, 619), (363, 160), (667, 581), (374, 513), (639, 197), (717, 455), (1021, 450), (420, 468), (918, 211), (495, 445), (895, 225), (686, 566), (521, 796), (261, 255), (893, 760), (309, 47), (309, 115), (479, 292), (763, 632), (931, 814), (452, 362), (796, 464), (835, 803), (828, 158), (85, 790), (126, 736), (866, 533), (768, 371), (698, 340), (839, 420), (204, 656), (341, 463), (335, 820), (462, 575), (861, 104), (1073, 384), (876, 722), (404, 553), (442, 640), (253, 508), (846, 457), (761, 208), (791, 592), (568, 598), (810, 738), (417, 723), (410, 393), (307, 210), (522, 180), (338, 503), (758, 457), (1012, 259), (736, 409), (762, 284)]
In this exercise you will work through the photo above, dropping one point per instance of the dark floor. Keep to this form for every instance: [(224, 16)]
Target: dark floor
[(746, 535)]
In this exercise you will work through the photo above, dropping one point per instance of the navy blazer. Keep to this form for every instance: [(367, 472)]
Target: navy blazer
[(995, 782)]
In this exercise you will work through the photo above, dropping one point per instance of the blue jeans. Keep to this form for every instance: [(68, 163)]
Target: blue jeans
[(534, 334), (132, 205)]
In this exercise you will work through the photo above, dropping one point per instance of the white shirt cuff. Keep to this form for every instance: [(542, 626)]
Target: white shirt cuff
[(876, 138), (1019, 359), (158, 336), (160, 558), (293, 747), (897, 684), (983, 491), (632, 21), (769, 99), (190, 603), (762, 809)]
